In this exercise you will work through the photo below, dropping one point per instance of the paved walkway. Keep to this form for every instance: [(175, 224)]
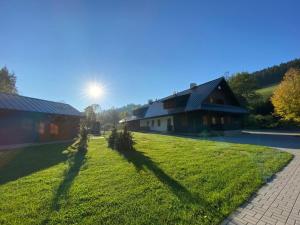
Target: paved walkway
[(278, 202)]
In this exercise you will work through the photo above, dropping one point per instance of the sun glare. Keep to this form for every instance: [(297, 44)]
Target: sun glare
[(95, 90)]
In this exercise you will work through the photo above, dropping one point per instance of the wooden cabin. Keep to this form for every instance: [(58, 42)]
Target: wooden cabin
[(30, 120), (209, 106)]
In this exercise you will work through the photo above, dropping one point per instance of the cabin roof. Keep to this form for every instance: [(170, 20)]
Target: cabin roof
[(197, 95), (28, 104)]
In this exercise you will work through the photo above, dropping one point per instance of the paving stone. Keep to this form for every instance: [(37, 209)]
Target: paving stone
[(276, 203)]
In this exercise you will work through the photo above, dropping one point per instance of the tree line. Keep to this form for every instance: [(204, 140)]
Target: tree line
[(274, 75), (281, 109), (98, 120)]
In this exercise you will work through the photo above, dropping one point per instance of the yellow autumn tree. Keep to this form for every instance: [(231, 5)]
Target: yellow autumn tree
[(286, 97)]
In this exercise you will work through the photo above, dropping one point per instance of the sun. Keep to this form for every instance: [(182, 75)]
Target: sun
[(94, 90)]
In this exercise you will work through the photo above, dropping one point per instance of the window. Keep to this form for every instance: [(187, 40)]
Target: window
[(158, 123), (53, 129), (220, 101), (222, 120), (211, 100), (152, 123), (170, 104), (148, 123), (169, 124), (41, 128), (205, 120), (214, 120)]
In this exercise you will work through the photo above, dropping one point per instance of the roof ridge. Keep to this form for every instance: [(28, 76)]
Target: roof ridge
[(22, 96), (219, 78)]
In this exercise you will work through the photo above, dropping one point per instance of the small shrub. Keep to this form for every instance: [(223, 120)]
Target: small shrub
[(261, 121), (126, 141), (83, 137), (112, 138), (121, 141)]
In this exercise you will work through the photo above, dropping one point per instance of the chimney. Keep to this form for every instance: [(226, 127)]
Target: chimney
[(192, 85)]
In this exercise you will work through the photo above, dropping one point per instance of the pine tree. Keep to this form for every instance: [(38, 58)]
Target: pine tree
[(112, 139)]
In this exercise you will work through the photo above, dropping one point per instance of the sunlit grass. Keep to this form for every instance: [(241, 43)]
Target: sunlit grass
[(167, 180)]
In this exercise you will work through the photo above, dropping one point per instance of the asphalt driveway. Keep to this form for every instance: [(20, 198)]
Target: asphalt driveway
[(275, 139)]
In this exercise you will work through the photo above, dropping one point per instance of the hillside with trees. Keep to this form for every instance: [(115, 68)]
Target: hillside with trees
[(255, 90), (273, 75), (98, 119)]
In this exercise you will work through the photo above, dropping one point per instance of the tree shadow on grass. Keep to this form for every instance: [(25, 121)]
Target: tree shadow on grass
[(141, 161), (76, 160), (23, 162)]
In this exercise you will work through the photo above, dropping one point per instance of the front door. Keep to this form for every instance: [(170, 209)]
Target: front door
[(169, 124)]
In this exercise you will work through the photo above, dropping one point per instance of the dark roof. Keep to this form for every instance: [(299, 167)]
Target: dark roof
[(195, 100), (22, 103)]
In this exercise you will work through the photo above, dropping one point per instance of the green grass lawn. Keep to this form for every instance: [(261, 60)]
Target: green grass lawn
[(267, 91), (167, 180)]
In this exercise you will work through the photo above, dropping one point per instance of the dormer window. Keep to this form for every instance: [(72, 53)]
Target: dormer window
[(216, 101), (169, 104), (220, 101), (178, 101)]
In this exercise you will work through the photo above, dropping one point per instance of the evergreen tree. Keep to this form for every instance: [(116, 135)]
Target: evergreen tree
[(112, 139)]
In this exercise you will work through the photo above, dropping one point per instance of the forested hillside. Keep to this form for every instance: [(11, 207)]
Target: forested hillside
[(273, 75), (254, 91)]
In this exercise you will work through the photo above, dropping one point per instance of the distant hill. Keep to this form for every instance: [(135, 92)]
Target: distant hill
[(273, 75), (128, 108), (267, 91)]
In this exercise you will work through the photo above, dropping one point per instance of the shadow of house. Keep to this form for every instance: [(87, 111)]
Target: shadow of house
[(26, 161)]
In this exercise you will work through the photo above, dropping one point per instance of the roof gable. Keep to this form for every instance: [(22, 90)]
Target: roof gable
[(200, 93)]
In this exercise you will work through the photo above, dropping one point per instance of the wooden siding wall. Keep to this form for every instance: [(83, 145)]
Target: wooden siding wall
[(133, 125), (194, 121), (224, 94), (24, 127)]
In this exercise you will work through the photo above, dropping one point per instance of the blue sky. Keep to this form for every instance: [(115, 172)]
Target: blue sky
[(140, 49)]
